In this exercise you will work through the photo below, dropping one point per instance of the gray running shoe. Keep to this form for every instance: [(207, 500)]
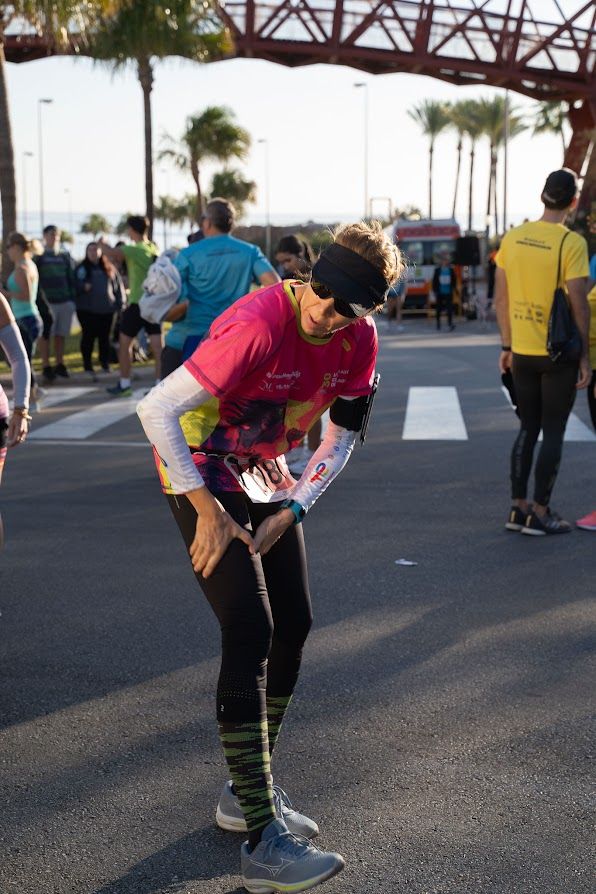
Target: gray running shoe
[(549, 523), (285, 862), (229, 813)]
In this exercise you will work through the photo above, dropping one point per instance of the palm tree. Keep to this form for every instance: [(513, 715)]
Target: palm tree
[(142, 33), (467, 115), (211, 136), (492, 112), (457, 124), (96, 223), (432, 117), (408, 212), (231, 185), (165, 210), (51, 19), (550, 117), (185, 210)]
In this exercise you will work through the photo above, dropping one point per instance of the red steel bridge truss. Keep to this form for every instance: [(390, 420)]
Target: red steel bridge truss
[(545, 49)]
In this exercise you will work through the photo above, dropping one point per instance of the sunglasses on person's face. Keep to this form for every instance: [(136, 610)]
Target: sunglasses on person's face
[(342, 307)]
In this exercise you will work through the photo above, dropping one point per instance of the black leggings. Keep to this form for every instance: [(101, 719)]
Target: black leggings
[(545, 395), (29, 329), (592, 399), (444, 303), (45, 312), (262, 605), (95, 326)]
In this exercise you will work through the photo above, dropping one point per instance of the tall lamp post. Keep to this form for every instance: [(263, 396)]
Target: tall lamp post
[(40, 103), (364, 85), (26, 155), (267, 205)]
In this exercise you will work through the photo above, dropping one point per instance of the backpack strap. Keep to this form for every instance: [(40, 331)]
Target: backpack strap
[(560, 255)]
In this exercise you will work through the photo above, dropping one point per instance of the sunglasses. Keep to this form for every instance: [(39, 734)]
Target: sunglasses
[(342, 307)]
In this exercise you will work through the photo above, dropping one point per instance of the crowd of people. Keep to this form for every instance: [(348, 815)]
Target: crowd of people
[(242, 385)]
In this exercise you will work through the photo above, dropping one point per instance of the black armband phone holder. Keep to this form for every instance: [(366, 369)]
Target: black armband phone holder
[(354, 415)]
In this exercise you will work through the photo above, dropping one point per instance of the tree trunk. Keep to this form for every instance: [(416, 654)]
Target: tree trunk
[(471, 190), (489, 203), (146, 80), (562, 132), (495, 193), (8, 192), (194, 170), (430, 181), (459, 149)]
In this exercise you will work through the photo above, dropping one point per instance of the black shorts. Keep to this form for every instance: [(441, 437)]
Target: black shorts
[(131, 322)]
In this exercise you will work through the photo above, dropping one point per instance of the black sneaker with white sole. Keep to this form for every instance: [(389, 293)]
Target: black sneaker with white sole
[(517, 519), (549, 523)]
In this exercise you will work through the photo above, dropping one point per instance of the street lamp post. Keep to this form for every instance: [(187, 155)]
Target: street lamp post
[(26, 155), (40, 103), (366, 203), (267, 204)]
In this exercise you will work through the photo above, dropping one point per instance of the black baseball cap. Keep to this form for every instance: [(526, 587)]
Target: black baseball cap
[(560, 189)]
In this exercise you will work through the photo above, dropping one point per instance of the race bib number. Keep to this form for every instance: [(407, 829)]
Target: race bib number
[(262, 483)]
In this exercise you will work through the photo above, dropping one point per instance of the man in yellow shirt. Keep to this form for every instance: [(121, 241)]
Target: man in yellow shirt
[(588, 522), (592, 303), (526, 278)]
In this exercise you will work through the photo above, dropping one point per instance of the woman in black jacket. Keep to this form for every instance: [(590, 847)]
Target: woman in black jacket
[(100, 294)]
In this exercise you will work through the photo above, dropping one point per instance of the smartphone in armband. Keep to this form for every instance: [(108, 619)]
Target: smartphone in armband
[(369, 406)]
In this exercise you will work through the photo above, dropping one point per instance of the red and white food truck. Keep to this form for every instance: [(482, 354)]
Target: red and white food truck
[(423, 242)]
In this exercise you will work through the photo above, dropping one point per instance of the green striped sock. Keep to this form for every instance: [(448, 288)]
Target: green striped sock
[(277, 706), (246, 748)]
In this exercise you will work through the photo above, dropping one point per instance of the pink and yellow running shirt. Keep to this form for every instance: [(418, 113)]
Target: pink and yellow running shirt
[(269, 382)]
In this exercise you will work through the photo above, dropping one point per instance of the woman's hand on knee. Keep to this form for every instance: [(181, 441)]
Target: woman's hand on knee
[(270, 530), (214, 533)]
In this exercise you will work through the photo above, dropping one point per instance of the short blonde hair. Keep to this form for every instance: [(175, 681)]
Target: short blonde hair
[(371, 242)]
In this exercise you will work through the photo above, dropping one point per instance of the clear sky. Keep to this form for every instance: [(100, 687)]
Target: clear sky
[(312, 118)]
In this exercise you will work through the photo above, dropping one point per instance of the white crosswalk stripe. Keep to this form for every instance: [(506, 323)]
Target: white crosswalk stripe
[(576, 429), (434, 414), (80, 426), (56, 395)]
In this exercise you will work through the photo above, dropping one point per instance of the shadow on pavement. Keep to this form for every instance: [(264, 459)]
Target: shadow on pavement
[(172, 868)]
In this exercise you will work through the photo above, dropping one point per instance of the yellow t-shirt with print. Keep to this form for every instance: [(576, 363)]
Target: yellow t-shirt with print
[(592, 303), (529, 255)]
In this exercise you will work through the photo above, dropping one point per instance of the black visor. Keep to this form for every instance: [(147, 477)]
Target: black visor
[(356, 284)]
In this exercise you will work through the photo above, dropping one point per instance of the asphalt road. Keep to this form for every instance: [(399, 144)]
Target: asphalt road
[(441, 731)]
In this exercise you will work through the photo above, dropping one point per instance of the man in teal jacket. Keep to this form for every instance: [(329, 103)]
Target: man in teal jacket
[(215, 272)]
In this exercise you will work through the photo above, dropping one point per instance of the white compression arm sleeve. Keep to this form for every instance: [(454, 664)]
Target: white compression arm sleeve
[(160, 413), (13, 347), (326, 463)]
